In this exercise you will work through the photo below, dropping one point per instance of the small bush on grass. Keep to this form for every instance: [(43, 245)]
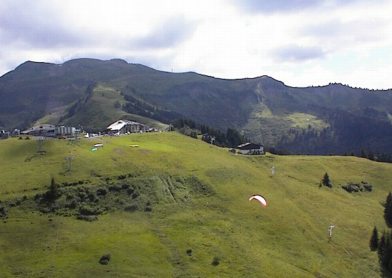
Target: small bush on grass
[(104, 260), (88, 218), (148, 207), (92, 197), (115, 188), (131, 208), (89, 210), (72, 204), (101, 191), (3, 211), (358, 187), (215, 261)]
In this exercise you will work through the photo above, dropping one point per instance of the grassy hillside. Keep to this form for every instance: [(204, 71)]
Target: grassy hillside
[(102, 107), (187, 228)]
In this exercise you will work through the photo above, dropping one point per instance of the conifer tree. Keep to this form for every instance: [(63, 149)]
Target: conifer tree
[(326, 181), (384, 249), (389, 198), (374, 240), (53, 192), (381, 247), (386, 255), (388, 210)]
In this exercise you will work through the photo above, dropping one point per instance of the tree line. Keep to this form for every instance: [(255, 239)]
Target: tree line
[(383, 245), (231, 138), (365, 134), (136, 105)]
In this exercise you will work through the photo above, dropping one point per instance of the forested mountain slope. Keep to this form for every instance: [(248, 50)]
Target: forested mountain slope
[(319, 120)]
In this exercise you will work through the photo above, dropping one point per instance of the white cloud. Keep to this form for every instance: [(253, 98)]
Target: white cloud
[(310, 42)]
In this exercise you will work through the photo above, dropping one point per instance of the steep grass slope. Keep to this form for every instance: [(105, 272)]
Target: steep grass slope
[(102, 107), (289, 237)]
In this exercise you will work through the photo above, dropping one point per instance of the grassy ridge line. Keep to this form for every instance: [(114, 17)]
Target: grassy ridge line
[(290, 236)]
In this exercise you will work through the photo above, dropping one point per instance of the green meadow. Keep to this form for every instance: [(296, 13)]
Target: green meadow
[(186, 231)]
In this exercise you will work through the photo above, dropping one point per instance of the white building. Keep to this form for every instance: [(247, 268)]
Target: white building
[(250, 148), (124, 126), (49, 130), (65, 131), (41, 130)]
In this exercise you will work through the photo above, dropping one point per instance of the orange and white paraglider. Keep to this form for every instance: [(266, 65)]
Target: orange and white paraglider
[(260, 199)]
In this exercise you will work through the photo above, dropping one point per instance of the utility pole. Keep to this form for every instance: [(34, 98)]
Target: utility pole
[(40, 145), (330, 228), (68, 164), (273, 170)]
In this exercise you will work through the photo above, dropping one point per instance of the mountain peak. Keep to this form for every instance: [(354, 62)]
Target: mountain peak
[(119, 61), (268, 80), (32, 64)]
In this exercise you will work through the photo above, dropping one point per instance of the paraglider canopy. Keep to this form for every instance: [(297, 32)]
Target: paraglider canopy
[(259, 198)]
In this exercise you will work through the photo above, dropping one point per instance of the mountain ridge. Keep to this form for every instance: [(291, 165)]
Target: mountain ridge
[(264, 109), (121, 61)]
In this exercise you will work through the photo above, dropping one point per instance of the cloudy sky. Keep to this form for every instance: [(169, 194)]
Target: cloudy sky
[(300, 42)]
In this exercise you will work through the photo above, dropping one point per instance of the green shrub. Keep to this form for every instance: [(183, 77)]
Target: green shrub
[(374, 240), (131, 208), (104, 260), (88, 218), (101, 191), (89, 210), (92, 197), (114, 188), (72, 204), (215, 261), (3, 211)]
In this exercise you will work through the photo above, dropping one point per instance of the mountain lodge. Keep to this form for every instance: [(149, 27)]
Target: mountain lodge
[(125, 126), (250, 148)]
